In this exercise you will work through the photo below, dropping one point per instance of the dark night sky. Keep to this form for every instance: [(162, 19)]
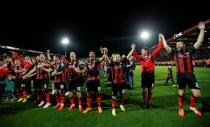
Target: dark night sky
[(115, 25)]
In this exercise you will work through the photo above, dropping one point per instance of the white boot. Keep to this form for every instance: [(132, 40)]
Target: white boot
[(122, 108), (114, 112), (21, 99), (47, 105), (41, 103), (196, 111), (67, 93)]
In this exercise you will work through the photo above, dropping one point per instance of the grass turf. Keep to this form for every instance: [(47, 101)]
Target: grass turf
[(163, 112)]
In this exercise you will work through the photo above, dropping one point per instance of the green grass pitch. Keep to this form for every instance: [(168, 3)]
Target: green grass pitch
[(163, 112)]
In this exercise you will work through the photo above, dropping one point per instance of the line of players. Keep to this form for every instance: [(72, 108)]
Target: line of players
[(69, 76)]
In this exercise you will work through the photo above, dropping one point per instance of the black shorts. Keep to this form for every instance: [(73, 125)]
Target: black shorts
[(42, 84), (187, 79), (93, 86), (35, 84), (73, 85), (23, 83), (118, 88), (147, 79)]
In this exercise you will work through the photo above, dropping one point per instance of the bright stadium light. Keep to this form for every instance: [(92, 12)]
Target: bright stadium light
[(144, 35), (65, 42)]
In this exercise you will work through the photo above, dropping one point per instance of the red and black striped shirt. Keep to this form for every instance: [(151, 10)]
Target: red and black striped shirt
[(40, 73), (118, 72), (60, 68), (18, 71), (56, 77), (183, 61), (3, 70), (71, 74), (93, 70)]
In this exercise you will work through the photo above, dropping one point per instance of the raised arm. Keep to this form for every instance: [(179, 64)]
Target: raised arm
[(159, 47), (134, 52), (101, 50), (104, 51), (101, 58), (199, 41), (48, 55), (165, 45), (107, 59)]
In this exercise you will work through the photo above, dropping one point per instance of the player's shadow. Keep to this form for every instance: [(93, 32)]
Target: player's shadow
[(205, 105), (15, 107), (161, 102)]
